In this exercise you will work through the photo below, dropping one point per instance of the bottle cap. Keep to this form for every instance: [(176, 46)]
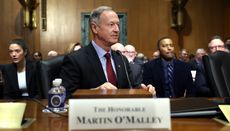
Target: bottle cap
[(57, 82)]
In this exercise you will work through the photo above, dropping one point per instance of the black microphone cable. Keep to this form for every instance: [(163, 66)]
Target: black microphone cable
[(126, 72)]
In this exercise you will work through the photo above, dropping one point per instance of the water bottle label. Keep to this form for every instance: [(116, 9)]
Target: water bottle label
[(56, 101)]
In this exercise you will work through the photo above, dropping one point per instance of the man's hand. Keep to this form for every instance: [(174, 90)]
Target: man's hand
[(149, 88), (106, 86)]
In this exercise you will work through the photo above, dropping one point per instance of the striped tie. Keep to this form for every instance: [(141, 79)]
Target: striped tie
[(170, 80)]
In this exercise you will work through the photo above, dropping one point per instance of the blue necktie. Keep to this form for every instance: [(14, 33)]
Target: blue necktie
[(170, 80)]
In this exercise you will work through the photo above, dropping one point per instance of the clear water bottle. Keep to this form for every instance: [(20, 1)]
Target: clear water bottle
[(57, 96)]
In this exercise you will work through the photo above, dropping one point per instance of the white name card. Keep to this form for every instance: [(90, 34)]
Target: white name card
[(142, 113)]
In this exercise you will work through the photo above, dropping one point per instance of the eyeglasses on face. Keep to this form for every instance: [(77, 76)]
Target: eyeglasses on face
[(217, 46)]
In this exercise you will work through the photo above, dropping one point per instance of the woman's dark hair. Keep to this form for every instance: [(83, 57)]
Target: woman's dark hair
[(21, 43)]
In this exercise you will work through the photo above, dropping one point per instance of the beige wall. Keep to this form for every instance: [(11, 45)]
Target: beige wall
[(148, 20)]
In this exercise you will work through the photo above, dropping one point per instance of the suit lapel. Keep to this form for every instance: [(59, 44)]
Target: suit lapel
[(14, 75), (118, 66), (161, 74), (29, 70), (176, 73), (95, 61)]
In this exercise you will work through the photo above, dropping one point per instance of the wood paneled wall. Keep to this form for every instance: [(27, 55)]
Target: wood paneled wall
[(11, 26), (147, 21)]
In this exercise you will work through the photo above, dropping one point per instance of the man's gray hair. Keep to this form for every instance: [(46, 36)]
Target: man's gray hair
[(96, 13), (200, 50)]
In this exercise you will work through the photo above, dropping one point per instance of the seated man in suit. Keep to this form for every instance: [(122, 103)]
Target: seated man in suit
[(96, 66), (170, 77), (135, 67), (200, 84)]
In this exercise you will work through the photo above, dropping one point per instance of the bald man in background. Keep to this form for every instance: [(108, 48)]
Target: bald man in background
[(135, 68)]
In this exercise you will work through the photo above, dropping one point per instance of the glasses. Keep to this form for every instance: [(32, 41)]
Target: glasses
[(218, 46)]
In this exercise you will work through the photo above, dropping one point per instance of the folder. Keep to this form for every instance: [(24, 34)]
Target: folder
[(194, 107), (11, 115)]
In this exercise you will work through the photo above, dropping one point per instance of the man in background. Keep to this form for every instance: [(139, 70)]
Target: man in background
[(202, 89), (135, 68), (216, 44), (170, 77)]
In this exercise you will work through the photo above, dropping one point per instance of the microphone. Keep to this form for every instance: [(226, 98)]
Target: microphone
[(126, 72)]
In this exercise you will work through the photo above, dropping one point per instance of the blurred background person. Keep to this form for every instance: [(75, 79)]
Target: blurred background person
[(37, 56), (52, 54), (21, 75), (200, 82), (119, 47), (131, 55), (156, 54), (135, 68), (216, 44), (73, 47), (184, 55)]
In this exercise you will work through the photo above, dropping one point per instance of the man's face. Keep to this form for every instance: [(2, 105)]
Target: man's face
[(200, 54), (107, 30), (130, 52), (16, 53), (37, 56), (216, 45), (156, 54), (166, 49), (184, 55)]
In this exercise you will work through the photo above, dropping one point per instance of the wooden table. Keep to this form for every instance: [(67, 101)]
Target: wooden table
[(121, 93), (53, 122)]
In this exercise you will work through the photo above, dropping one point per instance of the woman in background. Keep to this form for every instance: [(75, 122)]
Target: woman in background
[(20, 76)]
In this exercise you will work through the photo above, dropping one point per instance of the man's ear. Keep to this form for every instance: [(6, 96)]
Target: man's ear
[(94, 28)]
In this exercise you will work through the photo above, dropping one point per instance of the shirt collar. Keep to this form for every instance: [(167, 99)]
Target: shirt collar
[(100, 51), (165, 63)]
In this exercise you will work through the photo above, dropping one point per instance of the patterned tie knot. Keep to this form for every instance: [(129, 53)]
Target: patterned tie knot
[(107, 56)]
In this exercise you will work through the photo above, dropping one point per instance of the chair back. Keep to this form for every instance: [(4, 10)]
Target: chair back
[(218, 73), (1, 82), (49, 70)]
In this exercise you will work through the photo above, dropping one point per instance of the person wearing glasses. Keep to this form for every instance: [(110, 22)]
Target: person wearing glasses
[(201, 85), (216, 44)]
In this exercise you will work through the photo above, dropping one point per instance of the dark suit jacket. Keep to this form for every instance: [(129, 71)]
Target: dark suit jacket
[(201, 87), (83, 70), (137, 71), (154, 74), (11, 87)]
